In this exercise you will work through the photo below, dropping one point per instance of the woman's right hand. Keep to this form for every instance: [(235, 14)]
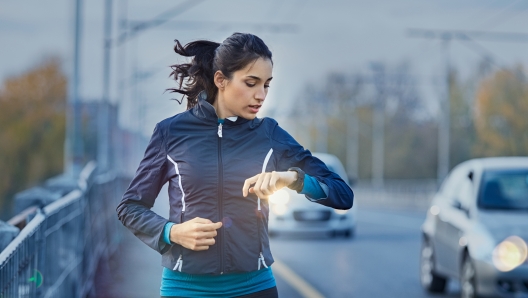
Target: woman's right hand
[(195, 234)]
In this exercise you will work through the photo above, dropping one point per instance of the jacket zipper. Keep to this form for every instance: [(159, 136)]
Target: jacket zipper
[(220, 209)]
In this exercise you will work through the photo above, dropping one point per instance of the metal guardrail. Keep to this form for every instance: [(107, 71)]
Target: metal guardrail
[(57, 253), (400, 194)]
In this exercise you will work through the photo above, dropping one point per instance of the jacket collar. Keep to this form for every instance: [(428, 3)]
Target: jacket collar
[(204, 110)]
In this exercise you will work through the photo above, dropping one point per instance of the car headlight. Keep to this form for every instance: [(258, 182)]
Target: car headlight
[(279, 209), (340, 212), (280, 197), (510, 253)]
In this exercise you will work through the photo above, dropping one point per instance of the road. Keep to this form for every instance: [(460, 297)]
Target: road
[(380, 261)]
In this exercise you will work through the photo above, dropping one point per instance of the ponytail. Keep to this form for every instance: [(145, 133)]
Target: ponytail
[(235, 53), (199, 73)]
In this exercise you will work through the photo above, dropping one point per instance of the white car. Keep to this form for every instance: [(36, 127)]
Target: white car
[(476, 230), (291, 212)]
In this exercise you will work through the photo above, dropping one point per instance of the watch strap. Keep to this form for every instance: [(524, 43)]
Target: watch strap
[(298, 184)]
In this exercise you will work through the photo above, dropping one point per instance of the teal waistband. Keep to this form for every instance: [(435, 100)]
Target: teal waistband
[(175, 283)]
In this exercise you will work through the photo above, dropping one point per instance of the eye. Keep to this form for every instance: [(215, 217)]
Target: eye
[(250, 85), (266, 86)]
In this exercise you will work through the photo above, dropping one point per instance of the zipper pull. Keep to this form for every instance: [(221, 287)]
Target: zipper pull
[(220, 130), (261, 260), (179, 264)]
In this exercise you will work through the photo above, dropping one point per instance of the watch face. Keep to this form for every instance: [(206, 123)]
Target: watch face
[(297, 185)]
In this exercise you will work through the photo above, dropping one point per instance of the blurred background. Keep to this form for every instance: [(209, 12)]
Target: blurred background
[(399, 91)]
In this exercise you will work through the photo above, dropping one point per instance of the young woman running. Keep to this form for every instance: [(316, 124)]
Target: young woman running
[(222, 163)]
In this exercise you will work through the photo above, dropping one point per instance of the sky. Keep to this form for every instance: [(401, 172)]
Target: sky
[(322, 37)]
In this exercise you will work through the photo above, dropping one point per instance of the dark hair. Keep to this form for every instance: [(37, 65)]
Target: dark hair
[(235, 53)]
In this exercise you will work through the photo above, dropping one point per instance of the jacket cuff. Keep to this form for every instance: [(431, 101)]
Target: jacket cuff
[(166, 232), (313, 189)]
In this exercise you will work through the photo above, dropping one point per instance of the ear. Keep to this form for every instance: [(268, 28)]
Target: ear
[(220, 80)]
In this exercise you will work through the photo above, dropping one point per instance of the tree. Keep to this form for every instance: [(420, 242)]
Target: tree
[(462, 129), (500, 115), (32, 128)]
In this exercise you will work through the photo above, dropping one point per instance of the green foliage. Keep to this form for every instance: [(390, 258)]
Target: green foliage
[(501, 119), (32, 128)]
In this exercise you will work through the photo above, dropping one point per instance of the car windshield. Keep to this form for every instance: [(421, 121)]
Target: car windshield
[(506, 189)]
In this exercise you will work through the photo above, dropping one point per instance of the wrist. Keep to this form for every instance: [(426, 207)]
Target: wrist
[(174, 232), (298, 183)]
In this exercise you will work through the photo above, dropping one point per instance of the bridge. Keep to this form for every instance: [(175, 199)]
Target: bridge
[(67, 242)]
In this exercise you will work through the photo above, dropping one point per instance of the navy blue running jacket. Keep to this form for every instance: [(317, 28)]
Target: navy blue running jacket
[(206, 164)]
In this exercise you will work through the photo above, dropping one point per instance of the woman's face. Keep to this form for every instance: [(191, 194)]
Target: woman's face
[(244, 94)]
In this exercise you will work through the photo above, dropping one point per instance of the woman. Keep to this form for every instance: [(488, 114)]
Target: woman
[(222, 163)]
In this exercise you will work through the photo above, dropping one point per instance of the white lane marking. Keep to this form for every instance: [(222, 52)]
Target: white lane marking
[(295, 281)]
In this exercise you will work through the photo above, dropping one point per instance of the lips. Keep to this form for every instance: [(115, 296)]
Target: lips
[(254, 108)]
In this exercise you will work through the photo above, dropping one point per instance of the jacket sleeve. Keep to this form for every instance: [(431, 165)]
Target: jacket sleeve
[(134, 210), (292, 154)]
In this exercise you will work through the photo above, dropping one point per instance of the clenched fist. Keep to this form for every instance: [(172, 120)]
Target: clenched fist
[(195, 234)]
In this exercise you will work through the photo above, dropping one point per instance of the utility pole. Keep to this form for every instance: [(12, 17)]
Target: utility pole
[(74, 152), (378, 127), (352, 148), (447, 36), (103, 133), (445, 123), (321, 125)]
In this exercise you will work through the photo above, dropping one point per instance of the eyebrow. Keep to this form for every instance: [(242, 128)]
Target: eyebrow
[(257, 78)]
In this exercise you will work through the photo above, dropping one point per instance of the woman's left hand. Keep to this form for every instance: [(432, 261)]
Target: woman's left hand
[(265, 184)]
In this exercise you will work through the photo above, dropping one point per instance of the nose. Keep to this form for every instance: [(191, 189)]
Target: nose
[(261, 94)]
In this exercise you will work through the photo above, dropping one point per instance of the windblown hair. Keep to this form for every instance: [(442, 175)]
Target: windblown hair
[(235, 53)]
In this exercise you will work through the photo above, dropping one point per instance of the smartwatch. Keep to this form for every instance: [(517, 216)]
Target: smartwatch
[(298, 184)]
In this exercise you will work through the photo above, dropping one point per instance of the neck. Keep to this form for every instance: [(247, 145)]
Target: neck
[(220, 110)]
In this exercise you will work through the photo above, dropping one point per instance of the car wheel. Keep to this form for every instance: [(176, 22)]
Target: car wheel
[(349, 233), (468, 285), (431, 281)]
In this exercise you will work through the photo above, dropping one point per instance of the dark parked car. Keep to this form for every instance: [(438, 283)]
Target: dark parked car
[(476, 230)]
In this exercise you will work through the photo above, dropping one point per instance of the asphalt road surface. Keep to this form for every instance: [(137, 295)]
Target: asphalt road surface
[(382, 260)]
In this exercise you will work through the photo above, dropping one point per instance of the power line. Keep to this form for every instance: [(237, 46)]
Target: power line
[(162, 18), (468, 35), (201, 25)]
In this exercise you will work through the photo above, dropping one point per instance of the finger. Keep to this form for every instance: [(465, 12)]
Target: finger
[(273, 181), (256, 187), (207, 234), (204, 242), (202, 247), (210, 227), (201, 220), (265, 186), (247, 184)]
